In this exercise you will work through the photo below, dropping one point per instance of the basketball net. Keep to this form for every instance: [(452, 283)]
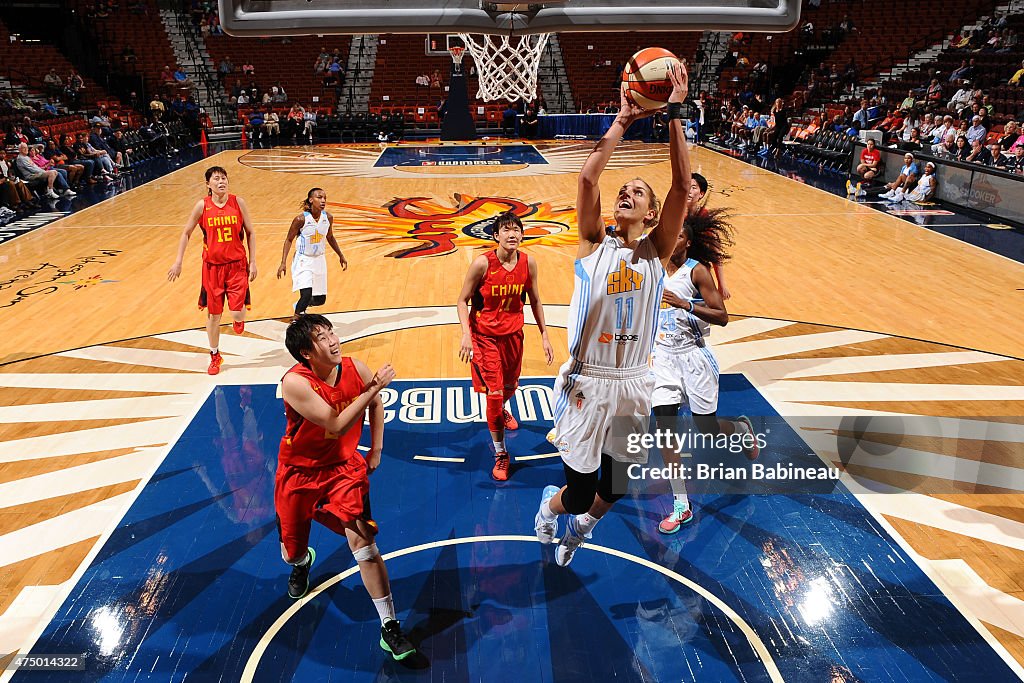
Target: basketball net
[(456, 53), (507, 65)]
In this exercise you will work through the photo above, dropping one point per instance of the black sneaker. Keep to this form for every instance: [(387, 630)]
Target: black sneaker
[(298, 582), (394, 641)]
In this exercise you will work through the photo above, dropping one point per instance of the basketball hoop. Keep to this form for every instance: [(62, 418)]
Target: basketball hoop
[(507, 65), (456, 52)]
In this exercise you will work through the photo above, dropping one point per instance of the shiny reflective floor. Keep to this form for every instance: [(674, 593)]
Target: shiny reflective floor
[(758, 588)]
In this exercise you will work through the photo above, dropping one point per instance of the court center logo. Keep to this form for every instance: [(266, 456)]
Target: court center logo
[(429, 227)]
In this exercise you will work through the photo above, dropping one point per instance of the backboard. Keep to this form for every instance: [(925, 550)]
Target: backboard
[(290, 17)]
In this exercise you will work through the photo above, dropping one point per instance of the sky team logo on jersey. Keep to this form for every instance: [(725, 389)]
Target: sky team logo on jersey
[(428, 227), (625, 279)]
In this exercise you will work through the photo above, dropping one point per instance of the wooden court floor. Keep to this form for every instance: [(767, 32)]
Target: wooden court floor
[(838, 309)]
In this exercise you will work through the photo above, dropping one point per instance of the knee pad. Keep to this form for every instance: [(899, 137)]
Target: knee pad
[(495, 412), (366, 554), (305, 296)]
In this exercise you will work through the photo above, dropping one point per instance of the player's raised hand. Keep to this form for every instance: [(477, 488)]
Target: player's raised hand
[(680, 82), (466, 349), (174, 272), (382, 377)]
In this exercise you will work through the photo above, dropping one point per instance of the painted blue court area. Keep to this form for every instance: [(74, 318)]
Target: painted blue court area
[(806, 585), (461, 155)]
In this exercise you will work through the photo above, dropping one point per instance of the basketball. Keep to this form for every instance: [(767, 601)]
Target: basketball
[(646, 77)]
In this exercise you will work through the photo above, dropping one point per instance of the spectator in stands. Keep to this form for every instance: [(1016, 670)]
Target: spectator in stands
[(333, 74), (119, 143), (928, 124), (1011, 131), (54, 84), (1017, 77), (435, 80), (30, 172), (933, 94), (996, 150), (44, 162), (14, 193), (870, 163), (224, 68), (90, 168), (254, 124), (101, 157), (296, 123), (31, 131), (508, 120), (980, 154), (322, 60), (530, 123), (248, 70), (926, 186), (98, 143), (167, 75), (1015, 164), (272, 125), (904, 181), (910, 122), (181, 78), (423, 80), (961, 149), (278, 95), (914, 144), (891, 123), (976, 131), (861, 117), (909, 101), (961, 99), (962, 72)]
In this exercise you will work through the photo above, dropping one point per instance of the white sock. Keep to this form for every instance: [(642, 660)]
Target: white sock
[(214, 352), (681, 498), (586, 522), (499, 446), (385, 608), (546, 513)]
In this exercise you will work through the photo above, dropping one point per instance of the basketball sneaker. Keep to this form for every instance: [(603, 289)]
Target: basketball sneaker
[(500, 470), (572, 540), (888, 195), (238, 326), (754, 450), (215, 362), (849, 188), (546, 531), (510, 421), (681, 514), (394, 641), (861, 192), (298, 582)]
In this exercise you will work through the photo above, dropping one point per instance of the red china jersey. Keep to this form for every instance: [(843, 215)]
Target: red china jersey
[(498, 301), (222, 231), (306, 444)]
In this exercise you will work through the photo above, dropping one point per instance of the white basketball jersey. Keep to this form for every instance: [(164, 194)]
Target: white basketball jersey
[(613, 314), (312, 239), (678, 329)]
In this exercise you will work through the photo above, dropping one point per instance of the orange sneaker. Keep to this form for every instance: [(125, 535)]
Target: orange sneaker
[(510, 422), (238, 326), (500, 471), (215, 361)]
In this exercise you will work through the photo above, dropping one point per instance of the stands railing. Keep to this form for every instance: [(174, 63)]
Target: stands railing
[(209, 84)]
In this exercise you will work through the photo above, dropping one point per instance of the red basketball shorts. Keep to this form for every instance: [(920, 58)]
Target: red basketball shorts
[(497, 362), (333, 495), (224, 279)]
